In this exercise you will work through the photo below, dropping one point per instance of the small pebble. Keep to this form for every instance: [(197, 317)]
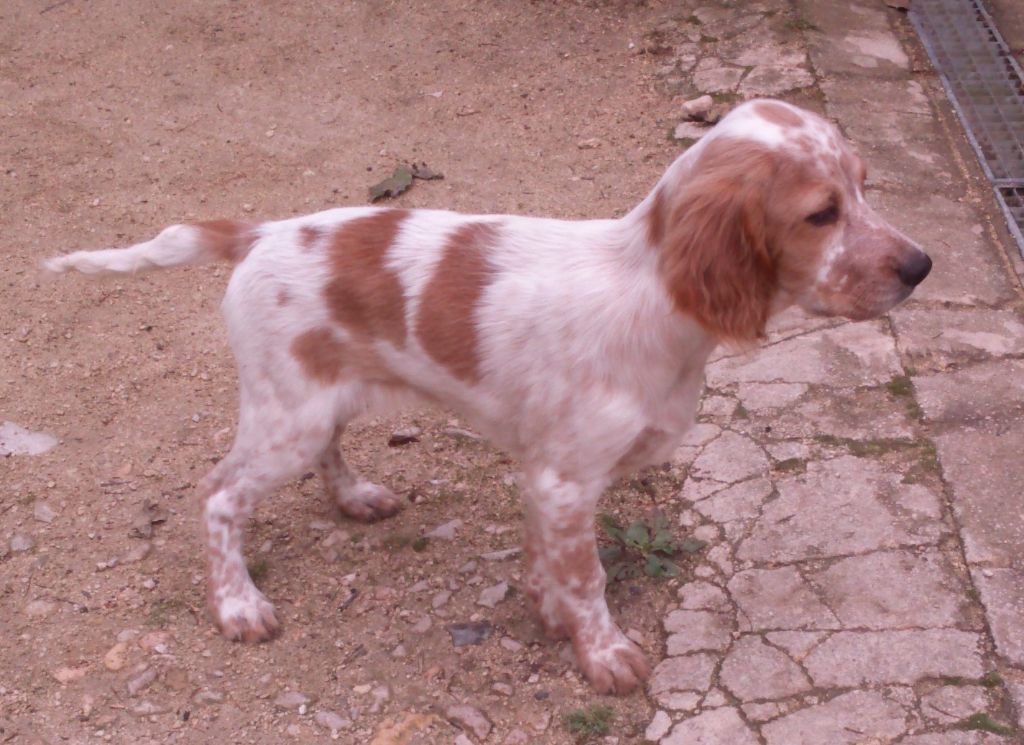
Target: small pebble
[(404, 436), (138, 552), (21, 542), (208, 696), (698, 108), (141, 682), (510, 644), (40, 608), (445, 532), (469, 717), (332, 721), (148, 708), (43, 512), (440, 599), (465, 634), (503, 555), (291, 700), (380, 696), (68, 674), (491, 596), (116, 657)]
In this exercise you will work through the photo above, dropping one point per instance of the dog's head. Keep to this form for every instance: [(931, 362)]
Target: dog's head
[(768, 210)]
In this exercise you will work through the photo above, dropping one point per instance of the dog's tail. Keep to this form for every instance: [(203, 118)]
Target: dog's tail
[(216, 240)]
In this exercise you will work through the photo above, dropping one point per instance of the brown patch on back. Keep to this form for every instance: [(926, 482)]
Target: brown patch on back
[(776, 113), (283, 298), (320, 354), (445, 325), (228, 240), (363, 294)]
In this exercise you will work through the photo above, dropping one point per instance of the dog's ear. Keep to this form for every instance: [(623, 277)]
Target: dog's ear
[(712, 236)]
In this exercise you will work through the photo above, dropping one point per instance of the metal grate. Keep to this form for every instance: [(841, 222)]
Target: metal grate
[(986, 87)]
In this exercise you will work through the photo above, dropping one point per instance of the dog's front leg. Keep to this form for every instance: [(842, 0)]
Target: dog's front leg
[(565, 580)]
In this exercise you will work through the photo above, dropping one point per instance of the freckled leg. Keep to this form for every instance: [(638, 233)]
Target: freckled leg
[(272, 446), (359, 499), (565, 579)]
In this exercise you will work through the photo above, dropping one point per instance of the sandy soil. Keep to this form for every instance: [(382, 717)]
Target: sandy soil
[(120, 118)]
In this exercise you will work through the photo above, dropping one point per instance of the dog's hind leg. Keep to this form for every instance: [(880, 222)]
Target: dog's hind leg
[(355, 497)]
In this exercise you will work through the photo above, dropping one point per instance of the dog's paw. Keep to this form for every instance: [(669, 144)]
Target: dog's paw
[(368, 502), (248, 618), (612, 664)]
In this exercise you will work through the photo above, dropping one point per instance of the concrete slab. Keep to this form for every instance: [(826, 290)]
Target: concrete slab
[(849, 719), (893, 589), (967, 270), (857, 658), (714, 727), (754, 670), (853, 39), (988, 391), (842, 506), (1002, 594), (985, 470), (941, 338), (849, 355)]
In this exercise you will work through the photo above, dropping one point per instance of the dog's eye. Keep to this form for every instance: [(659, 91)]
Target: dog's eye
[(827, 216)]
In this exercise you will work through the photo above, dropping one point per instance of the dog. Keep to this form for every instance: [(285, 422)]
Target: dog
[(577, 346)]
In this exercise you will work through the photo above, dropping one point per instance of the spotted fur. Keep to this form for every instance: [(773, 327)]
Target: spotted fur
[(577, 346)]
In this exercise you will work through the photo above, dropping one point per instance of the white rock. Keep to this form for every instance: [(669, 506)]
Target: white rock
[(16, 440), (698, 108), (659, 726), (331, 721), (470, 718), (291, 700), (493, 595), (445, 532), (21, 542), (43, 512), (689, 131)]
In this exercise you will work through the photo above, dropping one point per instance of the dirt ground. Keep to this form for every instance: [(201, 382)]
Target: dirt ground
[(120, 118)]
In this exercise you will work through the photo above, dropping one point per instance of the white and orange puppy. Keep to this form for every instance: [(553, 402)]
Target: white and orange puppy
[(579, 346)]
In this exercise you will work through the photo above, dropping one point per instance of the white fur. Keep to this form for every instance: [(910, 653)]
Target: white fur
[(582, 357)]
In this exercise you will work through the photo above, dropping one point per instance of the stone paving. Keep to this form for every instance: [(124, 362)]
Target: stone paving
[(859, 483)]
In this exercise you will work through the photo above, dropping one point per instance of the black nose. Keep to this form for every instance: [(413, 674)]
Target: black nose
[(913, 271)]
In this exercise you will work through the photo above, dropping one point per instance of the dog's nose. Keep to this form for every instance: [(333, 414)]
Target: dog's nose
[(913, 271)]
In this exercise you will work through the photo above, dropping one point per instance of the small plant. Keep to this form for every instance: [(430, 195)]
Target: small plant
[(646, 545), (801, 24), (900, 386), (791, 465), (985, 723), (593, 721), (162, 609), (992, 679)]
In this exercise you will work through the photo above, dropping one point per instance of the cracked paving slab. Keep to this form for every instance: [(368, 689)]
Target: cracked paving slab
[(859, 483)]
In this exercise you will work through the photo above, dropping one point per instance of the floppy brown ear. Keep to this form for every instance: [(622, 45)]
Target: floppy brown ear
[(714, 246)]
